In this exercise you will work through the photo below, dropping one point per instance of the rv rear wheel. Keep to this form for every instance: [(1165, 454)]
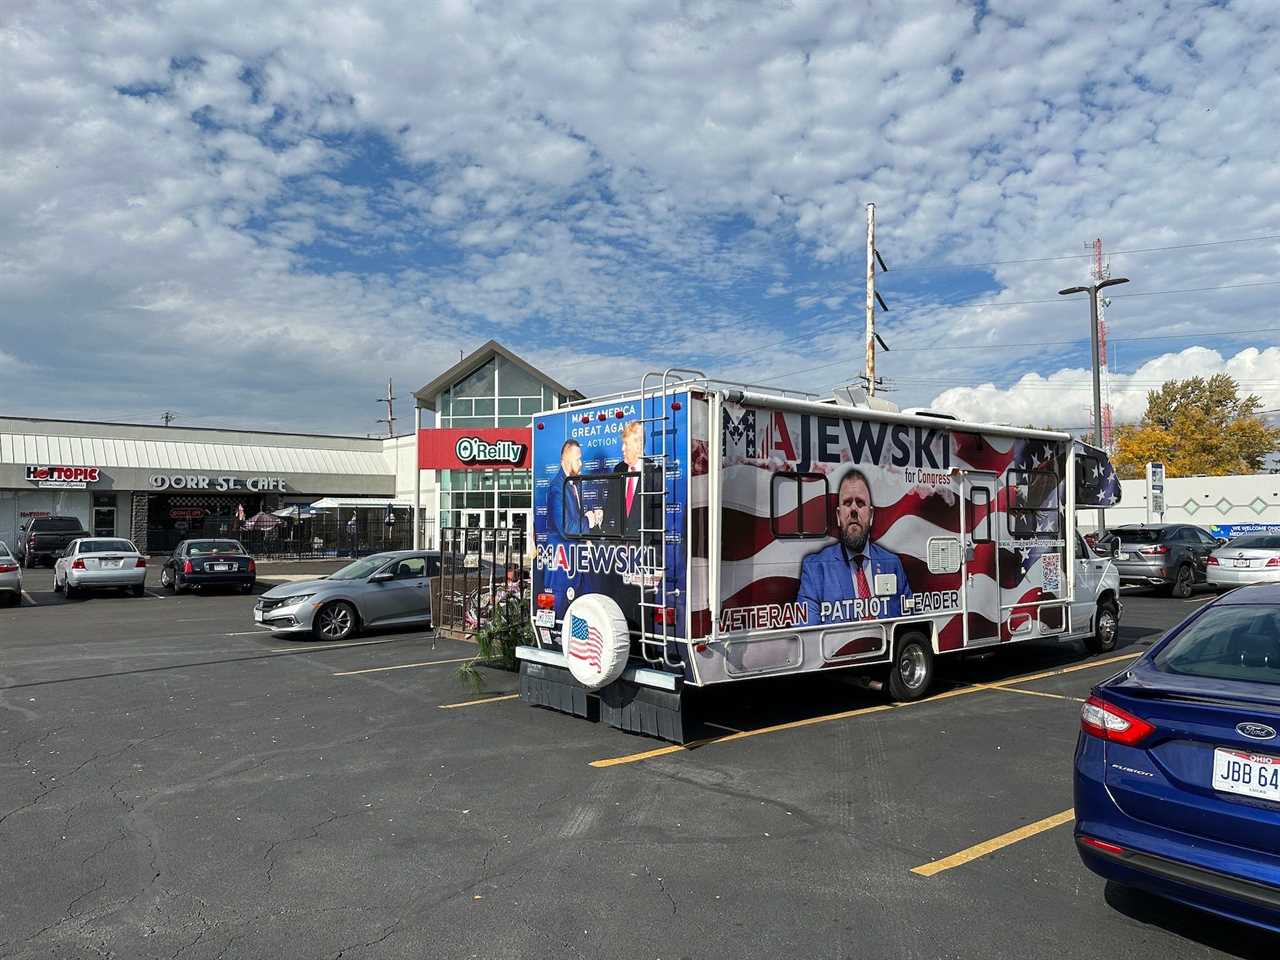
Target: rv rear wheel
[(911, 673)]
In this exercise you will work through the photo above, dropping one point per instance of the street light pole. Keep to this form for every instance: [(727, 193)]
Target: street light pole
[(1092, 290)]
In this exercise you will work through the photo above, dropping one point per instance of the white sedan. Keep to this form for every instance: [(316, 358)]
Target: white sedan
[(1253, 558), (100, 562), (10, 577)]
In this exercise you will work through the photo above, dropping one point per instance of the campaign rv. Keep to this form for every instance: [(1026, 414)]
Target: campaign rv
[(700, 533)]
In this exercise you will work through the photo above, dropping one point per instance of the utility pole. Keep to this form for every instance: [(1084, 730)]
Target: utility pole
[(1092, 290), (390, 420), (168, 417), (873, 338), (871, 299)]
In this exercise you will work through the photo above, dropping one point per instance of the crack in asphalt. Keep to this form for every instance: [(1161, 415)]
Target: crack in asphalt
[(372, 943)]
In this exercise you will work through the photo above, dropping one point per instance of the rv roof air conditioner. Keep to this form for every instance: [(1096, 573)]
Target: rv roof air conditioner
[(855, 396)]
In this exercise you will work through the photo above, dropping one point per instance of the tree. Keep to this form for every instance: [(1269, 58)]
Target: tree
[(1197, 427)]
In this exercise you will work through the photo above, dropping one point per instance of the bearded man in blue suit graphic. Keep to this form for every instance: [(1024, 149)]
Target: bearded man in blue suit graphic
[(838, 583)]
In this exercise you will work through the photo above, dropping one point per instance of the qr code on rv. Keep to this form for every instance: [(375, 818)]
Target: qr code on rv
[(1050, 563)]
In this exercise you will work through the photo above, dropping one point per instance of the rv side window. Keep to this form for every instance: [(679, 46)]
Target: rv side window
[(799, 505), (980, 514), (1089, 477), (608, 506), (1032, 503)]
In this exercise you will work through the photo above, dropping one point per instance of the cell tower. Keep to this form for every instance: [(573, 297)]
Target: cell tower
[(1100, 270)]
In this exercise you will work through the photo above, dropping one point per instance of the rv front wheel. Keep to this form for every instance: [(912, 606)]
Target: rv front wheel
[(1106, 629), (911, 672)]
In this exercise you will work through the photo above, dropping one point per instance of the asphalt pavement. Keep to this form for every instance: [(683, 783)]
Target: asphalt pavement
[(176, 783)]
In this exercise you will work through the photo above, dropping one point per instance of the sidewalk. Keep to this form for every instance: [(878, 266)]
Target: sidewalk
[(291, 571)]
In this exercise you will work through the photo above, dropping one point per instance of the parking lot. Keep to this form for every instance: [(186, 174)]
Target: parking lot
[(176, 783)]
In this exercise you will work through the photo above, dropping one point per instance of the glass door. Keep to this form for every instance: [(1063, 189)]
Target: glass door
[(104, 515)]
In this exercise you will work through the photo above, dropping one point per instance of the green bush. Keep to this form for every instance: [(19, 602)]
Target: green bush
[(496, 641)]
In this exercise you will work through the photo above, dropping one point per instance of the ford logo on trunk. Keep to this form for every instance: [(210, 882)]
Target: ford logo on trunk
[(1255, 731)]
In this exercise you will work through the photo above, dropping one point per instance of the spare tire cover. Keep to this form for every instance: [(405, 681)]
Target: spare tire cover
[(595, 640)]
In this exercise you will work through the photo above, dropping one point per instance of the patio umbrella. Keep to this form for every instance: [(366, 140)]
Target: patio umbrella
[(262, 521)]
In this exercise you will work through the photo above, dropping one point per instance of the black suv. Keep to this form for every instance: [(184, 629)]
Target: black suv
[(44, 538), (1170, 556)]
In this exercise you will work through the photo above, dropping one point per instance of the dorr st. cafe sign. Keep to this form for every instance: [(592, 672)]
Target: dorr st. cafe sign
[(224, 484)]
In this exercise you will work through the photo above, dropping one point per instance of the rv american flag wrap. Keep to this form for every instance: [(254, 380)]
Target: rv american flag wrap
[(931, 491), (585, 642)]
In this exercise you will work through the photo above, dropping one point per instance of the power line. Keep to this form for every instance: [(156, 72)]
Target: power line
[(1078, 256), (755, 351)]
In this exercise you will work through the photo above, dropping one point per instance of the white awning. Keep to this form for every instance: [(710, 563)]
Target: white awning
[(356, 503)]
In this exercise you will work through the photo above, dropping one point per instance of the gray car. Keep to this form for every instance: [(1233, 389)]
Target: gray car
[(386, 589), (1169, 556), (10, 577)]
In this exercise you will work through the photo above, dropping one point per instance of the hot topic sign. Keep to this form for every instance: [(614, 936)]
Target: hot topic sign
[(459, 448), (59, 476)]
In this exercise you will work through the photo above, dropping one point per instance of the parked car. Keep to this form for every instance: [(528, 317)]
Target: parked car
[(1177, 768), (10, 577), (100, 562), (1253, 558), (379, 590), (43, 539), (1170, 556), (209, 563)]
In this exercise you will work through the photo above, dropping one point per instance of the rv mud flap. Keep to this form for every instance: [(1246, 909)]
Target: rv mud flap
[(646, 710), (544, 685)]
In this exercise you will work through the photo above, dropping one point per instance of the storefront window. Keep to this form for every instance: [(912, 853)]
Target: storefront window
[(479, 383)]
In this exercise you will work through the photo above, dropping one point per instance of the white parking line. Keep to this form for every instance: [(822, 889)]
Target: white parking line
[(308, 647), (402, 666), (29, 600), (159, 597)]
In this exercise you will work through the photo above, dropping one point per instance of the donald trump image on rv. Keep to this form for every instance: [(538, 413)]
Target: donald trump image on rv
[(849, 579)]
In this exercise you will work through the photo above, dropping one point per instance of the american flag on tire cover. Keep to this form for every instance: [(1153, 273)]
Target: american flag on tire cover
[(585, 642), (912, 504)]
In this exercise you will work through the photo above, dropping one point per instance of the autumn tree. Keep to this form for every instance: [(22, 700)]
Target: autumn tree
[(1197, 427)]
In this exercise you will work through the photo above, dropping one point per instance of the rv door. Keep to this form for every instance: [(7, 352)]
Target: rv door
[(981, 559)]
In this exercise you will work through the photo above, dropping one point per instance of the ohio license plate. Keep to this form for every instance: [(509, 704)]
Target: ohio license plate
[(544, 618), (220, 567), (1122, 556), (1249, 774), (257, 616), (1239, 563), (112, 564)]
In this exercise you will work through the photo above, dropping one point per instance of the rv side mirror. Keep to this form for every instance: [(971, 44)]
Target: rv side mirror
[(1222, 541), (1114, 546)]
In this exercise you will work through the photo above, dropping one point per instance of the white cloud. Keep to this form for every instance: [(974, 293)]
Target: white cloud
[(333, 195), (1064, 398)]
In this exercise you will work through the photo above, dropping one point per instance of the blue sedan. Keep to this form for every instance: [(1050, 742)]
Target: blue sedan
[(1177, 771)]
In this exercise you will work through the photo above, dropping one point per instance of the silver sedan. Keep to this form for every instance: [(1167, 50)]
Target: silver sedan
[(382, 590), (10, 577), (1253, 558), (100, 562)]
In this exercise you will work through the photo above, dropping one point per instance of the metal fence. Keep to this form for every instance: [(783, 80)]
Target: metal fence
[(324, 536), (480, 567)]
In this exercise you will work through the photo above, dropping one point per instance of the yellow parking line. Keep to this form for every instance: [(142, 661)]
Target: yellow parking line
[(994, 844), (472, 703), (402, 666), (1036, 693), (846, 714), (775, 728)]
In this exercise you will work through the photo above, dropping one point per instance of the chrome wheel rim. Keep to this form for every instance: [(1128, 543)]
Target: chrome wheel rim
[(1107, 628), (335, 621), (1184, 581), (911, 667)]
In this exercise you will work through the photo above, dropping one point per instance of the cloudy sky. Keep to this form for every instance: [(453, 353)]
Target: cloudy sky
[(254, 218)]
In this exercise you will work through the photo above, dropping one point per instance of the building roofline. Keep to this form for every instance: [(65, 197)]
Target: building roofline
[(175, 428), (426, 396)]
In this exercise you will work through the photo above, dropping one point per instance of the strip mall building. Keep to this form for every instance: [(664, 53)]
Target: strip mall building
[(157, 484)]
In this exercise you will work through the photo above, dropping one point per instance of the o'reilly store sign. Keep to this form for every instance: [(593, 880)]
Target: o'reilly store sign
[(187, 482)]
